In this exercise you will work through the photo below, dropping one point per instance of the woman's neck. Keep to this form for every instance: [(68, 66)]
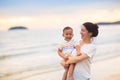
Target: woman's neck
[(86, 41)]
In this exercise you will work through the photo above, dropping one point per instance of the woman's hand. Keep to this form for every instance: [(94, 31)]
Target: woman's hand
[(71, 60), (63, 63), (77, 59)]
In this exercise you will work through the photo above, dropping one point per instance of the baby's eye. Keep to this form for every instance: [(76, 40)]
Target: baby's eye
[(68, 34)]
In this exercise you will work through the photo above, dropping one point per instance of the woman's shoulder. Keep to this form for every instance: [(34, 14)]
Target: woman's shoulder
[(90, 46), (89, 49)]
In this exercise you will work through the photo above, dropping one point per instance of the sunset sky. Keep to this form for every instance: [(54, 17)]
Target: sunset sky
[(37, 14)]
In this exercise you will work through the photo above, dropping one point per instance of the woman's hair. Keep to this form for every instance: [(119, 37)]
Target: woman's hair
[(93, 28)]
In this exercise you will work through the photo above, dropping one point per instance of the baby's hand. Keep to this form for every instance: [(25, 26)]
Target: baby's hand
[(78, 53), (78, 50), (77, 47), (65, 58)]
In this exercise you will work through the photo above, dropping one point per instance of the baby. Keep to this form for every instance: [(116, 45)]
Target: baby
[(65, 51)]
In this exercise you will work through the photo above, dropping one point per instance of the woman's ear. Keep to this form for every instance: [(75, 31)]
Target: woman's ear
[(90, 33)]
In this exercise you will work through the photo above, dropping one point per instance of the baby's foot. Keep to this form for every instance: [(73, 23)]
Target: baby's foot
[(71, 78)]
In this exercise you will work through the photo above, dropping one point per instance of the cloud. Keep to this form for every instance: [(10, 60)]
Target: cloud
[(57, 13), (38, 7)]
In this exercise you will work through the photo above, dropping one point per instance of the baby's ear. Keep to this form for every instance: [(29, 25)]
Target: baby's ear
[(63, 35), (73, 34)]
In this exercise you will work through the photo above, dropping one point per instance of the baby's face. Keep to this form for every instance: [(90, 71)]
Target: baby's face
[(68, 34)]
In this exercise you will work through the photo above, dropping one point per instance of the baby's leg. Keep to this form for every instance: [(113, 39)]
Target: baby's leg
[(71, 69), (66, 70), (65, 75)]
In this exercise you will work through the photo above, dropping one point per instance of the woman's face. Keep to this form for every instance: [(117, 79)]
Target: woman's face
[(84, 33)]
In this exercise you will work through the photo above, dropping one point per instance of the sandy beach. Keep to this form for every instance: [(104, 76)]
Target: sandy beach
[(108, 69)]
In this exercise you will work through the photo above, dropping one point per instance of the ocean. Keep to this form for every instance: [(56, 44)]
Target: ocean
[(28, 53)]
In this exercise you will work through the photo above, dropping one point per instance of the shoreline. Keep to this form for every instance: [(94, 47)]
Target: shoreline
[(108, 69)]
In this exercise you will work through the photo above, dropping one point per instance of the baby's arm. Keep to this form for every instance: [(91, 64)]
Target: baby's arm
[(62, 55), (77, 47)]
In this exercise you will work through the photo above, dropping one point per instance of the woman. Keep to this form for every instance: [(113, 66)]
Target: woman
[(88, 49)]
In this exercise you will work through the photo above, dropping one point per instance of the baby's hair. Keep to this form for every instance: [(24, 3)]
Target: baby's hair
[(67, 28)]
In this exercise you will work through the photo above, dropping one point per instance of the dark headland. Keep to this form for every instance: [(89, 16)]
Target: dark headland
[(18, 28), (108, 23)]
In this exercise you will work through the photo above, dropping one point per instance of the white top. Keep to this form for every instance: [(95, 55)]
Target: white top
[(82, 68), (67, 46)]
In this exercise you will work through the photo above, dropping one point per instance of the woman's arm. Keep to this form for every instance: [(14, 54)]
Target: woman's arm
[(77, 58)]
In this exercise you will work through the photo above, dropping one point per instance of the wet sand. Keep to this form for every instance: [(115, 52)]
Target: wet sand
[(108, 69)]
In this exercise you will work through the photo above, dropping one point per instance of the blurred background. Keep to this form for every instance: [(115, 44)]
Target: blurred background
[(26, 54)]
